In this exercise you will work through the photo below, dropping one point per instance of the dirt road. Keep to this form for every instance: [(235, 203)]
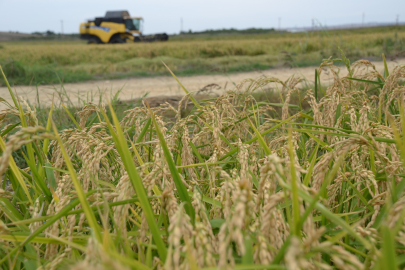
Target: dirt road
[(158, 86)]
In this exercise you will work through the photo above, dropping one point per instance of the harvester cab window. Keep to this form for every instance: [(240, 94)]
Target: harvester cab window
[(133, 24)]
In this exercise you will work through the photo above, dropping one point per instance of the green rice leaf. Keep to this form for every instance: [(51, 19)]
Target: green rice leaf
[(80, 193), (123, 149), (181, 189)]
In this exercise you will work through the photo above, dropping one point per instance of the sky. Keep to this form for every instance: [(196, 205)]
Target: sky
[(28, 16)]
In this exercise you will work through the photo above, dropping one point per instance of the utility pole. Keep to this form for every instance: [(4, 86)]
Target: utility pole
[(363, 19), (181, 25), (279, 23), (61, 24), (397, 19)]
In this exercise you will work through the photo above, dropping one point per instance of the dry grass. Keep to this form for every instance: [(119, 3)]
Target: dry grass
[(226, 186)]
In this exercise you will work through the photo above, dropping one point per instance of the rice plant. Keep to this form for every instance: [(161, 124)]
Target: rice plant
[(227, 186)]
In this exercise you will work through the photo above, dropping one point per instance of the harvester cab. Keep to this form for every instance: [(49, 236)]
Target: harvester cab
[(117, 27)]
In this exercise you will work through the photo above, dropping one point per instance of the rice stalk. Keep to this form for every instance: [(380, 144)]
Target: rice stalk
[(308, 183)]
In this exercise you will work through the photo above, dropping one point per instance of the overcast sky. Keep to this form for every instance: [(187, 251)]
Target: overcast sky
[(165, 15)]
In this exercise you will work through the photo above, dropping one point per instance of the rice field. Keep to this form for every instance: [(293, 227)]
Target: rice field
[(32, 63), (231, 184)]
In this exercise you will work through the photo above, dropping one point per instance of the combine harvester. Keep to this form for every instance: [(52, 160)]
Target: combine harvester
[(117, 27)]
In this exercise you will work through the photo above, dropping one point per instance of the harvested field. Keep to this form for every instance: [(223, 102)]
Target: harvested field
[(11, 36)]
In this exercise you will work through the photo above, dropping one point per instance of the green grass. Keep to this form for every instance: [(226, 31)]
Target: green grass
[(40, 74)]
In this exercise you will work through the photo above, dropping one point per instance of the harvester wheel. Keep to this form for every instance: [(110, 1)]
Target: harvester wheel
[(93, 41), (117, 40)]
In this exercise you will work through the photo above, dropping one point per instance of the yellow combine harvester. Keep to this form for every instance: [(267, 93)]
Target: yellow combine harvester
[(117, 27)]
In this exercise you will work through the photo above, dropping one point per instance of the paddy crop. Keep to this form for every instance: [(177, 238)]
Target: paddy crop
[(229, 185), (51, 62)]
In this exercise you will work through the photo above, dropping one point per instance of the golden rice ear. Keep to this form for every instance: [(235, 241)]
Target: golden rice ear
[(226, 184)]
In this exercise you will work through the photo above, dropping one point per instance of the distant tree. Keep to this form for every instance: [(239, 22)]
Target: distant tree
[(50, 33), (225, 31)]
